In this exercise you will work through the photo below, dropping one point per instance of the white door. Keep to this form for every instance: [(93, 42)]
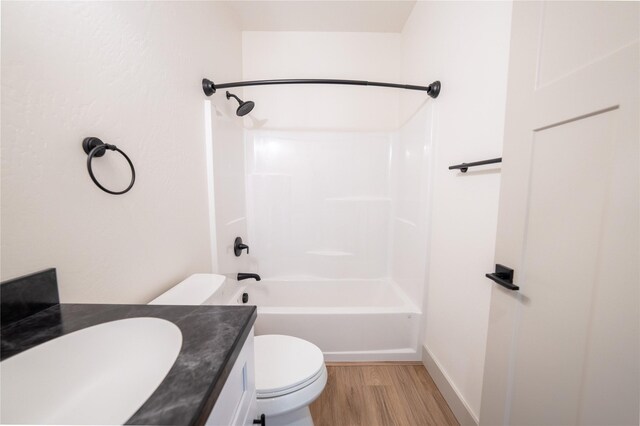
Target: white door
[(564, 348)]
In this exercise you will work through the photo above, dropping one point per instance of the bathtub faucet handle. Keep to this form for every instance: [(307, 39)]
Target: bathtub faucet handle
[(238, 247)]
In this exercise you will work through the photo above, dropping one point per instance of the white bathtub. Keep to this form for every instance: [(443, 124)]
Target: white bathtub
[(350, 320)]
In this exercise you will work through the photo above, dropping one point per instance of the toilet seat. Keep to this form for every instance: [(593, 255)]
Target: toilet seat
[(285, 364), (262, 394)]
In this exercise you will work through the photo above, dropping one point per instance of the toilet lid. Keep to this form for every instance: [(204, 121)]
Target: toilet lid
[(285, 364)]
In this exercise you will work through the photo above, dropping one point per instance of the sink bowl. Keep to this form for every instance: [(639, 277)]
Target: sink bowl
[(97, 375)]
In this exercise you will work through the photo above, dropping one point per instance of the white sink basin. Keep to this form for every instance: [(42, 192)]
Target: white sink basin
[(98, 375)]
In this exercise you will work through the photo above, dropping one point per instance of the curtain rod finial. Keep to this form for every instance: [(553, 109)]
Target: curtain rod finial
[(208, 87), (434, 89)]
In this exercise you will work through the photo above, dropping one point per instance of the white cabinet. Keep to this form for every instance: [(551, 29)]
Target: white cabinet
[(236, 404)]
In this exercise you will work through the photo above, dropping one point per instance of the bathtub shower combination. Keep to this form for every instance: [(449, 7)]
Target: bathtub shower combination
[(337, 225)]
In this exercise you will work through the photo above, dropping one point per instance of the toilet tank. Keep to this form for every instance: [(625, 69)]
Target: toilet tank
[(195, 290)]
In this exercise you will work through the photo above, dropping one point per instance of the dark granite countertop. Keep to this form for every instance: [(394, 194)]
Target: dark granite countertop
[(212, 339)]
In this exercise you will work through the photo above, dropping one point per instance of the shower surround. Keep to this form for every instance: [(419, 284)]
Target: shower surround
[(336, 218)]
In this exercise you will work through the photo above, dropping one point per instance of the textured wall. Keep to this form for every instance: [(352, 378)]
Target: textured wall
[(129, 73), (336, 55)]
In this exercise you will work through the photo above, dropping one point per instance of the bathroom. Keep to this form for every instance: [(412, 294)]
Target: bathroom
[(367, 245)]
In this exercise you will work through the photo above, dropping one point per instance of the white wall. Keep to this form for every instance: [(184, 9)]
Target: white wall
[(465, 45), (334, 55), (128, 73)]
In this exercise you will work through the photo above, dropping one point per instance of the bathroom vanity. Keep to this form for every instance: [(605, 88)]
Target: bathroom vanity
[(211, 380)]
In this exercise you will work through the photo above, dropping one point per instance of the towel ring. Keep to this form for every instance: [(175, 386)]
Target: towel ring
[(94, 147)]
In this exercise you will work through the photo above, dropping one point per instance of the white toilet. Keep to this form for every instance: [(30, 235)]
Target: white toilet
[(290, 375), (290, 372)]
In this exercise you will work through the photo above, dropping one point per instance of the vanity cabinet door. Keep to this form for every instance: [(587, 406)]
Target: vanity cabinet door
[(236, 405)]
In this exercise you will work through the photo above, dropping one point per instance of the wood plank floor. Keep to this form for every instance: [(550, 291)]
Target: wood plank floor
[(380, 394)]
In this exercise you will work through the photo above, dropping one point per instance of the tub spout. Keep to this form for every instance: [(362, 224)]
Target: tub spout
[(245, 276)]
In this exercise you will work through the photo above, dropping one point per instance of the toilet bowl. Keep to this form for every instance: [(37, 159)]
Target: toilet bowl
[(290, 372), (290, 375)]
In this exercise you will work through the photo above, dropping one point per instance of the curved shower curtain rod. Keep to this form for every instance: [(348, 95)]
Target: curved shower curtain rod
[(210, 88)]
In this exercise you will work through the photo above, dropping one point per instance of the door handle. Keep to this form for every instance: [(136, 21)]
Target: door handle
[(504, 277)]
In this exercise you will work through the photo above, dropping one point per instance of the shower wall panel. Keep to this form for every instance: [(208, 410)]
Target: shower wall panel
[(319, 203), (411, 171)]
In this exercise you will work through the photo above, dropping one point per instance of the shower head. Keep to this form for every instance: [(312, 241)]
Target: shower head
[(244, 108)]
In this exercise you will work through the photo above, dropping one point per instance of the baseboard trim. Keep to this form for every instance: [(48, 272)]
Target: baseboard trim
[(403, 354), (458, 405), (370, 363)]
